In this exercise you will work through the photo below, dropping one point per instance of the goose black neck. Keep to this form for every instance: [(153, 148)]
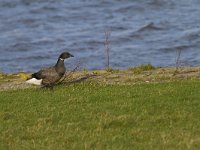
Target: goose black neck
[(60, 63)]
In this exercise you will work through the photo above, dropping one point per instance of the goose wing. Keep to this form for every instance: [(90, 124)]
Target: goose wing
[(45, 73), (49, 76)]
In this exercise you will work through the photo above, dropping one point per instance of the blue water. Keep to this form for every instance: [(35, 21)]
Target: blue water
[(34, 32)]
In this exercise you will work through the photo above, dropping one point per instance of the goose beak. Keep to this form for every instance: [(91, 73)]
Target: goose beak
[(71, 55)]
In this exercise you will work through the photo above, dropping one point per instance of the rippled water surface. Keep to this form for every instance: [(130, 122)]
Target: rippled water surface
[(34, 32)]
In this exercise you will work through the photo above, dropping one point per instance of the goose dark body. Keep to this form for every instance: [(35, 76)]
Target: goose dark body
[(50, 76)]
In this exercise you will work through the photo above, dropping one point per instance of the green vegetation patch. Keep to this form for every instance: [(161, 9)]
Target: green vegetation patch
[(8, 77), (112, 70), (99, 116), (141, 68)]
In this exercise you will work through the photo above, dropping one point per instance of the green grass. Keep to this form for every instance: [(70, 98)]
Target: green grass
[(93, 116), (112, 70), (141, 68)]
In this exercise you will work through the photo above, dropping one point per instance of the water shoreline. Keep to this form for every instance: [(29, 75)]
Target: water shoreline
[(34, 33)]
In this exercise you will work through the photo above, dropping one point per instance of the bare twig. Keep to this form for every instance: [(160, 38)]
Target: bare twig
[(178, 57), (177, 60), (71, 72), (107, 48)]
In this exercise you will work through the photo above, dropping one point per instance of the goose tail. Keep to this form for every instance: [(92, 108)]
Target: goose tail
[(34, 81)]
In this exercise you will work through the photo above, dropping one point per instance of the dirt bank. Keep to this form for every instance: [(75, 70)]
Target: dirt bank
[(109, 76)]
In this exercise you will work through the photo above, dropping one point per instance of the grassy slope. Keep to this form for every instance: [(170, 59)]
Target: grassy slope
[(93, 116)]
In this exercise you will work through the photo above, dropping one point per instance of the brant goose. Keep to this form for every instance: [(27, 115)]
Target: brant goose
[(49, 76)]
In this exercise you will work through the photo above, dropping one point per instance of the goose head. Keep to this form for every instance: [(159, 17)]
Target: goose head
[(65, 55)]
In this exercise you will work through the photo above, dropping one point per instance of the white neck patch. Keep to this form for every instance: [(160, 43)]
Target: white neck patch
[(61, 59)]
